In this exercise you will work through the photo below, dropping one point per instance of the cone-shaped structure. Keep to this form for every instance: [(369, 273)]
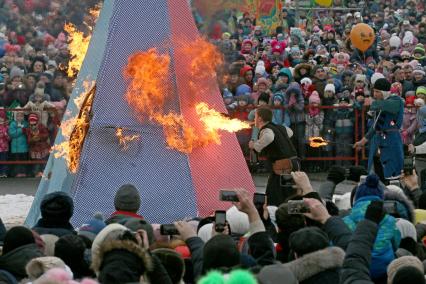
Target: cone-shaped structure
[(172, 184)]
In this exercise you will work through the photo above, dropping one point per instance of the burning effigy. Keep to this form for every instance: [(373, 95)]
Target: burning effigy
[(153, 117)]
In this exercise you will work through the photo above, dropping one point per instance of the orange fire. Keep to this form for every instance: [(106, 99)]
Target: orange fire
[(74, 130), (124, 140), (147, 93), (316, 142), (78, 43)]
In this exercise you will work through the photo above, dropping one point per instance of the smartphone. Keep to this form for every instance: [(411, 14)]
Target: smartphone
[(228, 195), (259, 199), (297, 207), (168, 230), (220, 220), (286, 180), (390, 207), (408, 166)]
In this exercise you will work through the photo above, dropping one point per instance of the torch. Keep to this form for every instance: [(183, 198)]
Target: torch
[(317, 142)]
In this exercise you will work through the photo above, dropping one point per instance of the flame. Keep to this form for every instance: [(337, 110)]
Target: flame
[(147, 94), (125, 139), (316, 142), (77, 45), (74, 130)]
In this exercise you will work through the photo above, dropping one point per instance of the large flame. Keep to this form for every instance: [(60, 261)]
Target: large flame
[(78, 43), (316, 142), (74, 129), (148, 92), (123, 139)]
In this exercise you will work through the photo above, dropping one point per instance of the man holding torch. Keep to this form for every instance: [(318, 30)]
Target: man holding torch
[(274, 142), (384, 136)]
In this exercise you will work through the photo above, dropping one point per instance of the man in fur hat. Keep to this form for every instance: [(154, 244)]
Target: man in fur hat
[(384, 136)]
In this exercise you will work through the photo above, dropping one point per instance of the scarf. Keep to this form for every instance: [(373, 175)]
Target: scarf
[(314, 111)]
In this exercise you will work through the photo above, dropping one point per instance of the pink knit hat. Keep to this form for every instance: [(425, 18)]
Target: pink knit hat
[(314, 98)]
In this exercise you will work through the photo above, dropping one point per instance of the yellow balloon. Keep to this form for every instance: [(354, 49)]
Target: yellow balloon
[(362, 36), (324, 3)]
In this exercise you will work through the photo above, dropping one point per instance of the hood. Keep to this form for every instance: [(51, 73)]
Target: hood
[(286, 72), (16, 260), (405, 207), (293, 88), (306, 66), (311, 264), (129, 246)]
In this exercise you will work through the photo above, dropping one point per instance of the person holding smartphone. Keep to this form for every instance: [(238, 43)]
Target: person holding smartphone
[(275, 144)]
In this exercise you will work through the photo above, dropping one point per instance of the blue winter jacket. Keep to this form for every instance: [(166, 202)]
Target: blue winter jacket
[(387, 240), (18, 142)]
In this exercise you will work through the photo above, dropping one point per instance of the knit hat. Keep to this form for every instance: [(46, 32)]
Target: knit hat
[(408, 275), (395, 41), (127, 198), (220, 251), (419, 102), (421, 90), (172, 262), (370, 188), (276, 273), (330, 87), (70, 248), (278, 97), (16, 72), (382, 85), (375, 77), (17, 237), (277, 48), (419, 69), (40, 265), (314, 98), (410, 100), (242, 90), (360, 77), (306, 81), (408, 38), (138, 224), (308, 240), (33, 118), (405, 261), (420, 48), (260, 69), (234, 277), (262, 80), (57, 206), (91, 228)]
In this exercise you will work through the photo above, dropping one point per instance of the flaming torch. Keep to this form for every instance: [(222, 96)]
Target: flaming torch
[(317, 142)]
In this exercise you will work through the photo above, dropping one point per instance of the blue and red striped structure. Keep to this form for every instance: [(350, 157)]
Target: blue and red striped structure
[(172, 185)]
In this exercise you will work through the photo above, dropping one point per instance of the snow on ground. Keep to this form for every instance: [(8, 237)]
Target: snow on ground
[(14, 208)]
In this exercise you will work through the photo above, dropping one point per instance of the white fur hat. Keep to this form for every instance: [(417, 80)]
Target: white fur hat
[(395, 41), (306, 81), (375, 77), (330, 87)]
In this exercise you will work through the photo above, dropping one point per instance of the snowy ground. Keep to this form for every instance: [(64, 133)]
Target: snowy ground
[(14, 208)]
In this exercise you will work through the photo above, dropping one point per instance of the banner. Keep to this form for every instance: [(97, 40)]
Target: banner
[(268, 15)]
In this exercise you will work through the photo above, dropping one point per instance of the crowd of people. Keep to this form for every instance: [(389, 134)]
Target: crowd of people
[(377, 235), (34, 86), (318, 83)]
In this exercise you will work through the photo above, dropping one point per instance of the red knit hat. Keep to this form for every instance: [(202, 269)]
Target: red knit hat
[(245, 69), (410, 100), (33, 118)]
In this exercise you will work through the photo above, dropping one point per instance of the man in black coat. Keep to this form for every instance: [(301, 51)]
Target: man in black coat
[(275, 144)]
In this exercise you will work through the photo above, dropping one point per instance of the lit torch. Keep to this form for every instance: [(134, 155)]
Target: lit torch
[(317, 142)]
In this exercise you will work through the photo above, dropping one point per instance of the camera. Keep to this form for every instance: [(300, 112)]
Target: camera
[(297, 207), (220, 221), (259, 199), (408, 166), (228, 195), (168, 230), (390, 207)]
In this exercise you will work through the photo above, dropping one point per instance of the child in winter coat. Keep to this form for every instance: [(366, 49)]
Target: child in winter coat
[(295, 102), (19, 144), (38, 141), (40, 104), (344, 131), (228, 100), (280, 116), (328, 131), (4, 143), (409, 122), (314, 119), (242, 113)]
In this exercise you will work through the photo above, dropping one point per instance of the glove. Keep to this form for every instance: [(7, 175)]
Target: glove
[(375, 212), (336, 174), (355, 173)]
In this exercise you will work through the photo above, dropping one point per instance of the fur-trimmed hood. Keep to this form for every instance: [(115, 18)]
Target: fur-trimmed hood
[(313, 263), (405, 206), (130, 246)]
